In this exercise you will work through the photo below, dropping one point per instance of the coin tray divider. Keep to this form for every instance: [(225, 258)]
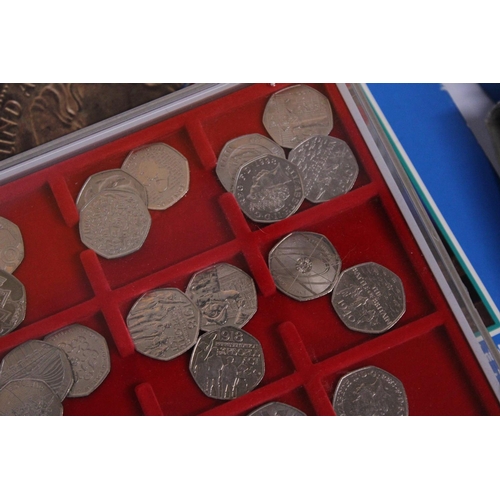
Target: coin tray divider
[(306, 347)]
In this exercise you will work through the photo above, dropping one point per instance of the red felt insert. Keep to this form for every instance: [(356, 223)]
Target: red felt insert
[(306, 346)]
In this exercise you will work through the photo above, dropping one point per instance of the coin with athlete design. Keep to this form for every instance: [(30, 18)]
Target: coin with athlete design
[(369, 298), (240, 151), (162, 170), (164, 323), (88, 355), (327, 166), (296, 113), (11, 246), (29, 398), (276, 409), (227, 363), (304, 265), (224, 294), (38, 360), (268, 189), (370, 391), (12, 303), (110, 180)]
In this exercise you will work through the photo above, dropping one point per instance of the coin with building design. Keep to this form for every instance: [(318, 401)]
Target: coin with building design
[(224, 294), (369, 298), (227, 363)]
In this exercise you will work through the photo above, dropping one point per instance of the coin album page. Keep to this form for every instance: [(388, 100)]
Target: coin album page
[(306, 347)]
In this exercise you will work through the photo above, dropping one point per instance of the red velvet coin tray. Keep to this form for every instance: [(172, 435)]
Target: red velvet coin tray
[(307, 349)]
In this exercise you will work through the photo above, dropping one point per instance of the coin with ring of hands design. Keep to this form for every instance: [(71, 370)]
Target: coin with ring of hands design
[(304, 265), (227, 363), (370, 391), (369, 298)]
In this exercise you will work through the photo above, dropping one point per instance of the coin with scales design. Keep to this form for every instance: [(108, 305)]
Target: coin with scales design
[(296, 113), (164, 323), (304, 265), (369, 298), (370, 391), (11, 246), (88, 355), (29, 398), (227, 363)]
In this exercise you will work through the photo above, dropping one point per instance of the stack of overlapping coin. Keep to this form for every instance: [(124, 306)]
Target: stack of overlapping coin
[(368, 297), (37, 376), (113, 204), (268, 186), (12, 292), (226, 361)]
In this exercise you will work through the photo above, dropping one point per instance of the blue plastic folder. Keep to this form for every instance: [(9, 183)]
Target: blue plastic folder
[(458, 176)]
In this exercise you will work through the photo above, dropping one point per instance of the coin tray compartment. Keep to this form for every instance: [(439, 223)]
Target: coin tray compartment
[(306, 347)]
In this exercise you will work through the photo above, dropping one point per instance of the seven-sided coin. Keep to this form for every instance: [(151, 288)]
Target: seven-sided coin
[(240, 151), (224, 294), (110, 180), (370, 391), (12, 303), (114, 223), (227, 363), (29, 397), (369, 298), (268, 189), (327, 166), (162, 170), (88, 355), (277, 409), (38, 360), (304, 265), (296, 113), (11, 246), (164, 323)]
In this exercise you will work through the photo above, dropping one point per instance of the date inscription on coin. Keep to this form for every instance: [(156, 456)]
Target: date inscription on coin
[(227, 363)]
